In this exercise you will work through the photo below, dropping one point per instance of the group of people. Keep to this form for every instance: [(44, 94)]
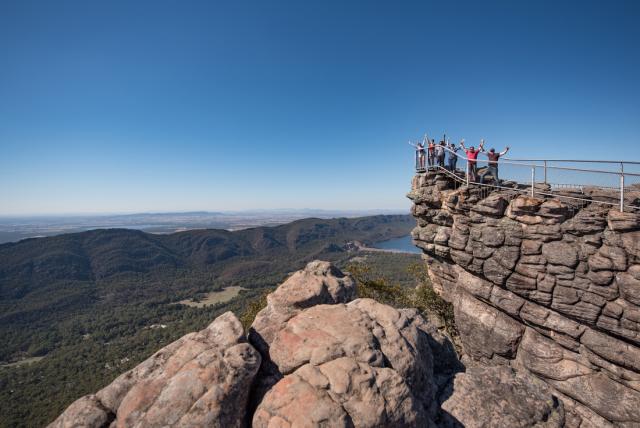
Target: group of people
[(434, 154)]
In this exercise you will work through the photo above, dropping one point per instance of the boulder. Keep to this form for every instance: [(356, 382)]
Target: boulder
[(318, 283), (340, 393), (87, 411), (361, 363), (201, 379)]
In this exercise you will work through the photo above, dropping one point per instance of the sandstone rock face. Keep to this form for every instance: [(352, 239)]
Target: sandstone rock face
[(485, 331), (318, 283), (202, 379), (498, 395), (364, 363), (547, 287), (339, 362)]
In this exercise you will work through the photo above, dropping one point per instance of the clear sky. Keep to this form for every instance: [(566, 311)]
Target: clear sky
[(109, 106)]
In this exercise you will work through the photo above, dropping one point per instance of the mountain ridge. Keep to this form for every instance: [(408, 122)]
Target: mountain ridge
[(101, 253)]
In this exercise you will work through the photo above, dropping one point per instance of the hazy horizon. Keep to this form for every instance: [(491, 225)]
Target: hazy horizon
[(16, 228), (206, 211)]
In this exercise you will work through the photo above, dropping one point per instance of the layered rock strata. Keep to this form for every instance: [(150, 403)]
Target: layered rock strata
[(551, 288)]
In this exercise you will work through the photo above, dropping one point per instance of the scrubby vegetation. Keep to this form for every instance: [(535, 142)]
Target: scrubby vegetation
[(252, 308), (375, 285)]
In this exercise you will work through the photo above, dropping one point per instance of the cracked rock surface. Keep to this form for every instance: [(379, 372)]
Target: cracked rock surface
[(326, 360), (202, 379), (370, 364)]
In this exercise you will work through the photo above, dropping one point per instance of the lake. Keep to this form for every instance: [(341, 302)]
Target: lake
[(403, 244)]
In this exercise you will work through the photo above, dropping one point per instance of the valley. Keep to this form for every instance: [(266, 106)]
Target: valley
[(82, 308)]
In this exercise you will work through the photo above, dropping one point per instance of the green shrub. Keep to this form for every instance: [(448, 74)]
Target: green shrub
[(427, 300), (253, 307), (423, 297)]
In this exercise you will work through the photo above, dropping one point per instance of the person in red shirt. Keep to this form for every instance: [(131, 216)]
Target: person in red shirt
[(472, 156), (431, 151)]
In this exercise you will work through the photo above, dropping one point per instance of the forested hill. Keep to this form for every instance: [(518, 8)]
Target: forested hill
[(33, 265), (95, 303)]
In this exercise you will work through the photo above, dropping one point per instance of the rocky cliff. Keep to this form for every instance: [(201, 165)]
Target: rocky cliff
[(317, 356), (549, 288)]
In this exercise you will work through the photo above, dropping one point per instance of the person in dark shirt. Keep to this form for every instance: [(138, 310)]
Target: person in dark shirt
[(453, 156), (492, 167), (472, 156)]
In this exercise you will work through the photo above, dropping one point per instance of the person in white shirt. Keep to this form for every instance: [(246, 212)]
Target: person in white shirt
[(419, 154)]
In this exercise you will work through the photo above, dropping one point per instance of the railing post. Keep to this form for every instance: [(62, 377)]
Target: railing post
[(545, 172), (533, 180), (621, 187), (467, 173)]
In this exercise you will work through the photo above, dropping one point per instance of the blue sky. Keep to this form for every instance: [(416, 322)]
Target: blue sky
[(162, 106)]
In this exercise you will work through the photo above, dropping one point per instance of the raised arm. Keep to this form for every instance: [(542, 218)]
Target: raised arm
[(481, 146), (414, 145), (425, 141), (462, 144), (504, 152)]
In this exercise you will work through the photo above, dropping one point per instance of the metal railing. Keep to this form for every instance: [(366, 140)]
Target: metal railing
[(601, 186)]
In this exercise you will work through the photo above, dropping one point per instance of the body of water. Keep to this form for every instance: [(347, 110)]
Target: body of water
[(403, 244)]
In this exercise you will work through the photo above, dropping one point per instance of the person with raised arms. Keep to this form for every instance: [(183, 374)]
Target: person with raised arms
[(431, 152), (439, 152), (472, 156), (492, 167), (419, 154), (453, 156)]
